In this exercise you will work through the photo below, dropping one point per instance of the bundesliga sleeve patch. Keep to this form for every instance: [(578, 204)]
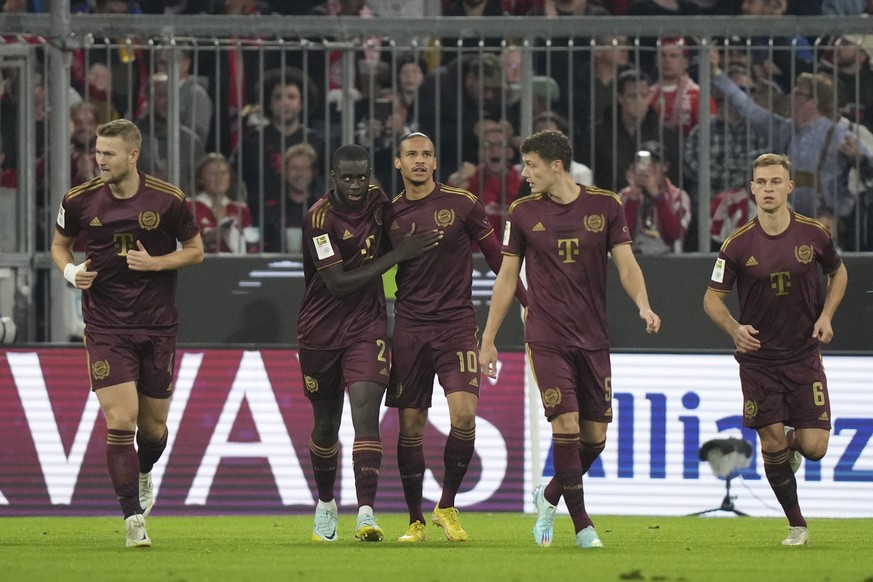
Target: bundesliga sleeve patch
[(62, 217), (718, 271), (506, 233), (323, 248)]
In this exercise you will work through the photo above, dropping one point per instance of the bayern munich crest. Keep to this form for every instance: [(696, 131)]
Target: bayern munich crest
[(149, 220), (551, 397), (100, 369), (444, 217), (804, 254), (594, 222)]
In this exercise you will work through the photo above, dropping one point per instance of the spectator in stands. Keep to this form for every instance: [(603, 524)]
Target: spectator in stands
[(648, 44), (734, 145), (676, 96), (658, 213), (572, 74), (304, 186), (153, 124), (792, 54), (470, 8), (479, 97), (851, 59), (263, 176), (636, 122), (225, 223), (846, 7), (495, 179), (380, 134), (611, 57), (821, 150), (410, 76), (728, 211), (83, 164), (195, 104), (234, 76), (122, 84), (510, 58)]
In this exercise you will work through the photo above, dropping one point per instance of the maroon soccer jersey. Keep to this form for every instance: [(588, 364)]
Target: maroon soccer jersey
[(778, 283), (436, 288), (565, 248), (331, 236), (157, 216)]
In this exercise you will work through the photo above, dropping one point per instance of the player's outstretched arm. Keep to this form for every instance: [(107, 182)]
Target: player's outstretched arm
[(341, 283), (634, 284), (191, 253), (837, 283), (501, 300)]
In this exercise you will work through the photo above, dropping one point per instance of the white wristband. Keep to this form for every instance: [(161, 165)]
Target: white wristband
[(70, 271)]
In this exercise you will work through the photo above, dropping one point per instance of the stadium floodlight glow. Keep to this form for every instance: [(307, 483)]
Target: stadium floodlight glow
[(726, 457)]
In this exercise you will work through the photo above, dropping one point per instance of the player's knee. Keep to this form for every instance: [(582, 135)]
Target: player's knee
[(815, 452), (325, 430), (465, 419)]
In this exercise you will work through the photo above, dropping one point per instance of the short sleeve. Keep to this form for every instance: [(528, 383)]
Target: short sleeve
[(514, 242), (66, 222), (477, 223), (619, 233), (724, 273), (185, 227), (321, 244)]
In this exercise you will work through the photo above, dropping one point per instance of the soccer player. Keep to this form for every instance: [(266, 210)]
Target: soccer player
[(343, 331), (435, 328), (563, 232), (131, 224), (774, 260)]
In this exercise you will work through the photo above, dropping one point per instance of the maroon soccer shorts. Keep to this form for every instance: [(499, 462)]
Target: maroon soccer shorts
[(573, 380), (795, 394), (327, 373), (147, 360), (420, 354)]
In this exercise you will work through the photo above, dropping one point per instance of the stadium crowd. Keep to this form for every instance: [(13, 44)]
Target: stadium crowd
[(808, 98)]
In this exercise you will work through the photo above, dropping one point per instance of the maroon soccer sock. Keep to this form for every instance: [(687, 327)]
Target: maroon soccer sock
[(456, 456), (367, 461), (123, 466), (149, 451), (588, 453), (324, 466), (410, 461), (783, 484), (568, 474)]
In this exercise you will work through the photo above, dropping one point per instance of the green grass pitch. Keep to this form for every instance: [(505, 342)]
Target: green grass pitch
[(500, 549)]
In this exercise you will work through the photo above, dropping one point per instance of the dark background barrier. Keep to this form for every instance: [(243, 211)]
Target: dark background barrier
[(254, 300)]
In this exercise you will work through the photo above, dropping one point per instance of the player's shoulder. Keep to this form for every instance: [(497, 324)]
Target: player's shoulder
[(84, 189), (740, 234), (607, 195), (163, 187), (317, 214), (525, 200), (811, 223), (464, 195), (377, 196)]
